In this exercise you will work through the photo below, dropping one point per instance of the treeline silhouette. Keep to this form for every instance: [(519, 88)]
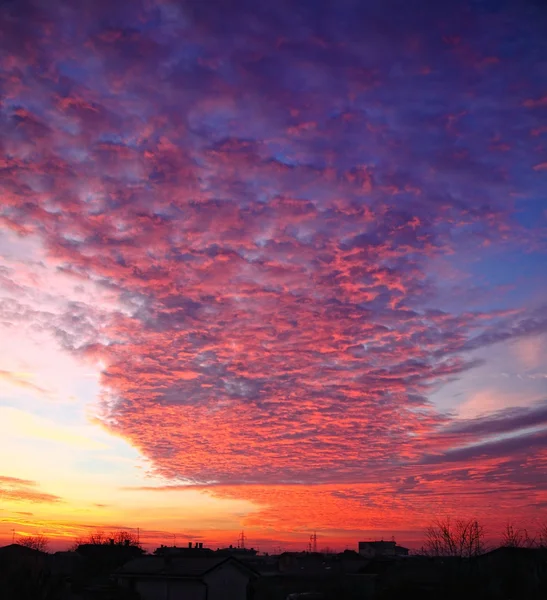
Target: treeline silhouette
[(457, 561), (465, 538), (35, 542), (122, 537)]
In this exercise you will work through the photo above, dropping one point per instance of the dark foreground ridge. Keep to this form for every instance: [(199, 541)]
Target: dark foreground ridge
[(378, 571)]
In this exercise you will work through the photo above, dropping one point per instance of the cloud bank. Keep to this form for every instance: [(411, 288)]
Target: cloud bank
[(299, 212)]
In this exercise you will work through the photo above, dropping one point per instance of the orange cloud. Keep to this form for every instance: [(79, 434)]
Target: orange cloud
[(23, 490)]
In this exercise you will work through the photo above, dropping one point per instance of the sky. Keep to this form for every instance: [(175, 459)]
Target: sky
[(276, 267)]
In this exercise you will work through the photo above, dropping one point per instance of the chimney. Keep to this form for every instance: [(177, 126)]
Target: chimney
[(189, 544)]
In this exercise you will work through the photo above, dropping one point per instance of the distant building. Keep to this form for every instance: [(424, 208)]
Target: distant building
[(193, 549), (236, 551), (191, 578), (381, 548)]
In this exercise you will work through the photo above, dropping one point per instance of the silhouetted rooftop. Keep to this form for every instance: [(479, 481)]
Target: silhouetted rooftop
[(177, 567), (19, 550)]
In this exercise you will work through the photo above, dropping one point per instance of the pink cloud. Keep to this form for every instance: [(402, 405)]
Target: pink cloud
[(254, 220)]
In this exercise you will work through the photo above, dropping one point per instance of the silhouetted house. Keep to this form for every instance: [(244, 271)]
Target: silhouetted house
[(188, 578), (510, 573), (262, 563), (16, 553), (24, 573), (350, 561), (381, 548), (67, 570)]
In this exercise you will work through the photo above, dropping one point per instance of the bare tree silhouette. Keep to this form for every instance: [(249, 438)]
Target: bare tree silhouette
[(542, 536), (461, 538), (36, 542), (516, 538)]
